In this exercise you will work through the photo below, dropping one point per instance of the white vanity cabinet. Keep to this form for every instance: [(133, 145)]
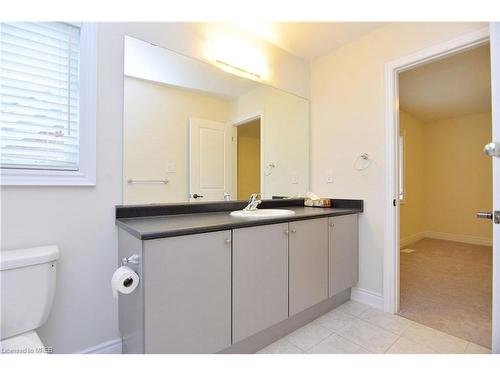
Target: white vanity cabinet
[(343, 253), (187, 293), (260, 278), (308, 247)]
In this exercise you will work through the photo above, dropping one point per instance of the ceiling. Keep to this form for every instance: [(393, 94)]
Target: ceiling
[(309, 40), (450, 87)]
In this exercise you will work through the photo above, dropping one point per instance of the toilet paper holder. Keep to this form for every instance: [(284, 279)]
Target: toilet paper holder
[(133, 259)]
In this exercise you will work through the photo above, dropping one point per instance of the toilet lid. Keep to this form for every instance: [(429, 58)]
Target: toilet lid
[(27, 343)]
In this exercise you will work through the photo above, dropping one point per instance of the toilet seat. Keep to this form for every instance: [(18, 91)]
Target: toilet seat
[(26, 343)]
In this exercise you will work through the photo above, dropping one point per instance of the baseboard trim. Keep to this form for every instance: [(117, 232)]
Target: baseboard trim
[(108, 347), (459, 238), (446, 237), (375, 300), (410, 239), (271, 334)]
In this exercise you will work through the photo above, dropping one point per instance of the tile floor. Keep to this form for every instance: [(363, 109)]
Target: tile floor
[(354, 328)]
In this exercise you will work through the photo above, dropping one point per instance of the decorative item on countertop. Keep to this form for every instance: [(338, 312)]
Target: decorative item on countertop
[(312, 200)]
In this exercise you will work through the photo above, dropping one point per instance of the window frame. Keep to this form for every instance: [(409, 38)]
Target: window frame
[(86, 173)]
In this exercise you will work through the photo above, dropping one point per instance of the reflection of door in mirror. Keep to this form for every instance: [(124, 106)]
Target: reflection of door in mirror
[(189, 128), (209, 160), (248, 158)]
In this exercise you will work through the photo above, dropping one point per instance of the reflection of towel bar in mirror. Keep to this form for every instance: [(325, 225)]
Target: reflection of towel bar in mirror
[(137, 181)]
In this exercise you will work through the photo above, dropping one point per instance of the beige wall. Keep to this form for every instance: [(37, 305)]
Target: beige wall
[(447, 178), (156, 122), (284, 137), (458, 179), (248, 159), (347, 119), (412, 210)]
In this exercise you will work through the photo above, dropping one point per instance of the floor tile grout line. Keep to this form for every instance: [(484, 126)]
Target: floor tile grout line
[(380, 326), (320, 341), (427, 346), (350, 340), (441, 332)]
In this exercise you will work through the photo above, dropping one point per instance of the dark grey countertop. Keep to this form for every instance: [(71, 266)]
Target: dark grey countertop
[(151, 227)]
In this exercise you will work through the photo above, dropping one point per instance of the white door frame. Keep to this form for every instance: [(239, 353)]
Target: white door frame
[(391, 237), (240, 121), (495, 95)]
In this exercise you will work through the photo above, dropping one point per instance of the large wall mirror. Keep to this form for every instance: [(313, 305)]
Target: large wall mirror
[(194, 132)]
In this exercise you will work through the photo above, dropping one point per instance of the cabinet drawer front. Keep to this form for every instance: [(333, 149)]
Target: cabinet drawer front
[(188, 293), (308, 246), (343, 262)]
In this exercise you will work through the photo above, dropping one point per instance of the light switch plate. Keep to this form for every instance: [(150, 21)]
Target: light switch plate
[(170, 167), (295, 178)]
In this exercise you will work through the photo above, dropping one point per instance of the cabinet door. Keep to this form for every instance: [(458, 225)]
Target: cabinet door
[(343, 244), (187, 290), (308, 246), (260, 278)]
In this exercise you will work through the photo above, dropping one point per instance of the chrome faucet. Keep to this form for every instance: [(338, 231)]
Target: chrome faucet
[(253, 202)]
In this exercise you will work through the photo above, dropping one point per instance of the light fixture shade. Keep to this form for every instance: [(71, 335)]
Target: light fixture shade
[(237, 56)]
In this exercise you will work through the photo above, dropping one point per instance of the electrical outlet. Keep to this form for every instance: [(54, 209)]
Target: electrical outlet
[(329, 177), (295, 178)]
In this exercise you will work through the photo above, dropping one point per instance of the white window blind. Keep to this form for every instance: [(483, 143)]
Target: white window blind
[(39, 96)]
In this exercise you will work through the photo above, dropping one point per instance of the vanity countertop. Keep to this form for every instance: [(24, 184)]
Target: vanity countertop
[(151, 227)]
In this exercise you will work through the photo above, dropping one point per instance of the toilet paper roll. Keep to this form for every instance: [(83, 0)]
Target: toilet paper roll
[(124, 281)]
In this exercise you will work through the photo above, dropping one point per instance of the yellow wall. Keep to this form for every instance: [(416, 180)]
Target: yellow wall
[(248, 159), (447, 178), (458, 175), (412, 210)]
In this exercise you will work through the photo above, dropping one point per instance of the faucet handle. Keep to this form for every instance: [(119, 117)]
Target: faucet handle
[(254, 197)]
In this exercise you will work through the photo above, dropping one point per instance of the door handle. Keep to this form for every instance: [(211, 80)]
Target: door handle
[(484, 215), (196, 196), (492, 149), (495, 216)]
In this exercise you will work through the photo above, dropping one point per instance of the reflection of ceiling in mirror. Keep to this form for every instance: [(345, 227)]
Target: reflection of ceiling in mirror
[(146, 61)]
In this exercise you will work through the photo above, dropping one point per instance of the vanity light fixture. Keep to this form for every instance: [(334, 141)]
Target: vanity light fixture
[(237, 56)]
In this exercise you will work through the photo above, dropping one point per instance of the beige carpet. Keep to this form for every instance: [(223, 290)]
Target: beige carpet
[(447, 286)]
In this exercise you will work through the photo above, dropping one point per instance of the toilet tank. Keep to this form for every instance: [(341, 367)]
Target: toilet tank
[(28, 284)]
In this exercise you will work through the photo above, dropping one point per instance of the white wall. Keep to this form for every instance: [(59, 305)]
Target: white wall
[(347, 118), (81, 219)]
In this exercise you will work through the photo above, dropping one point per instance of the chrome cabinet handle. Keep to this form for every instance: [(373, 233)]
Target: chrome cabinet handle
[(285, 231), (228, 241), (294, 230), (332, 225)]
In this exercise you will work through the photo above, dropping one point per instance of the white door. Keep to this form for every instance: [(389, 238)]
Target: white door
[(210, 166), (495, 94)]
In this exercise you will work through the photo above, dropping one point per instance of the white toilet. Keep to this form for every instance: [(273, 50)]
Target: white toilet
[(28, 284)]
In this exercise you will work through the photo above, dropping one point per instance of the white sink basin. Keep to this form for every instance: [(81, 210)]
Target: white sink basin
[(264, 213)]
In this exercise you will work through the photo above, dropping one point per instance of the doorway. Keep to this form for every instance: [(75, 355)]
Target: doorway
[(392, 250), (444, 179), (247, 151)]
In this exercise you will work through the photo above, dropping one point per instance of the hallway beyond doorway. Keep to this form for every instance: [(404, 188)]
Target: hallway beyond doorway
[(447, 286)]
